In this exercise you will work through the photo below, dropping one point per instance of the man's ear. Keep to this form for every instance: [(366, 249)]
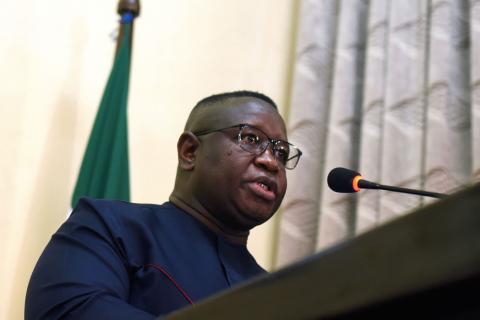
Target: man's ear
[(187, 147)]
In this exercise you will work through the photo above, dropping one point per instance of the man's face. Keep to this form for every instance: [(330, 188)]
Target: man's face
[(239, 188)]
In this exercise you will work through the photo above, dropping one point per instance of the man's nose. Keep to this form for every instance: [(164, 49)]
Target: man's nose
[(267, 159)]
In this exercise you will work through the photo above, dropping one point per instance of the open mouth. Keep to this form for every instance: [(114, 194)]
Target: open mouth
[(264, 186), (263, 190)]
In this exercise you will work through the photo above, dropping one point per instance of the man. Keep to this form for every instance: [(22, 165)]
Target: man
[(117, 260)]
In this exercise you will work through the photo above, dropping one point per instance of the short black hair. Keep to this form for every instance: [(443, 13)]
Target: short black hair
[(216, 98)]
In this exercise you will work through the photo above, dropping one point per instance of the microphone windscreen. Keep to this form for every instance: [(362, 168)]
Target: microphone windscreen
[(341, 180)]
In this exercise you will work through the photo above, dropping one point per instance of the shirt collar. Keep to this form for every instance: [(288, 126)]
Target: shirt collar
[(210, 222)]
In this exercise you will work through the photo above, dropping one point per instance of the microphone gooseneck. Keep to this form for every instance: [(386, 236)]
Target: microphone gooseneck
[(348, 181)]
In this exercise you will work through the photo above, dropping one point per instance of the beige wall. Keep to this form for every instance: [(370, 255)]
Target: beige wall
[(54, 61)]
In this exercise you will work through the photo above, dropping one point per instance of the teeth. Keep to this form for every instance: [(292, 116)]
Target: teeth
[(263, 186)]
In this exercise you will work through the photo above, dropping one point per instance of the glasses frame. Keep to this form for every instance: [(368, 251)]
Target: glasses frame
[(271, 141)]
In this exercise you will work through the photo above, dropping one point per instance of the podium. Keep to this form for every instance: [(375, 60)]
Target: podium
[(424, 265)]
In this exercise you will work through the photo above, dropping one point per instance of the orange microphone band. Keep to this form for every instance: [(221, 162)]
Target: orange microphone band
[(355, 183)]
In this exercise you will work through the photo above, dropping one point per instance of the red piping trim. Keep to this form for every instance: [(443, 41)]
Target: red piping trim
[(175, 283)]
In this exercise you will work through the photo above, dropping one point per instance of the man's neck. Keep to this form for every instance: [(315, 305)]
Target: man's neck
[(237, 237)]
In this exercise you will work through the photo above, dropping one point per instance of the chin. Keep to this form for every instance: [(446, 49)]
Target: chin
[(258, 214), (254, 211)]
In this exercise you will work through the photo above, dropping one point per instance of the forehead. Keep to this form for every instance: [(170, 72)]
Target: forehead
[(248, 110)]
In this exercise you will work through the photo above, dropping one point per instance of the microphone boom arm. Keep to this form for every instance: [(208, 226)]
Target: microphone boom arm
[(365, 184)]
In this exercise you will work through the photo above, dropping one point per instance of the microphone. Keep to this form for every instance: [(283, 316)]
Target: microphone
[(348, 181)]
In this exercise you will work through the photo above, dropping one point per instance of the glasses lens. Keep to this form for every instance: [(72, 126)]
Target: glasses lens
[(282, 152), (252, 140), (294, 156), (255, 141)]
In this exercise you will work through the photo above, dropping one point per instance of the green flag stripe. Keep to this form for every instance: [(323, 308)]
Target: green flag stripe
[(104, 171)]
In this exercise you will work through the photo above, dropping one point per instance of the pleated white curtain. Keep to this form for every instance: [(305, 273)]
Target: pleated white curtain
[(390, 88)]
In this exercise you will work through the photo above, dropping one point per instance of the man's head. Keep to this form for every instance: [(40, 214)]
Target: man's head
[(218, 174)]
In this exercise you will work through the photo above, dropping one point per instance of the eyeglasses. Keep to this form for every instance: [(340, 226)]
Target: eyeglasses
[(254, 140)]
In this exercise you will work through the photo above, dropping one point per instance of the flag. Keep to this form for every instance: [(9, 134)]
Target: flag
[(104, 170)]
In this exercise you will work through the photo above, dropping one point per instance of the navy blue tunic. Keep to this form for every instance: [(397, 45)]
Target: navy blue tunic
[(118, 260)]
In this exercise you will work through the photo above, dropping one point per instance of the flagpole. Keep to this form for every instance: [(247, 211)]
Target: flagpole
[(128, 11)]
